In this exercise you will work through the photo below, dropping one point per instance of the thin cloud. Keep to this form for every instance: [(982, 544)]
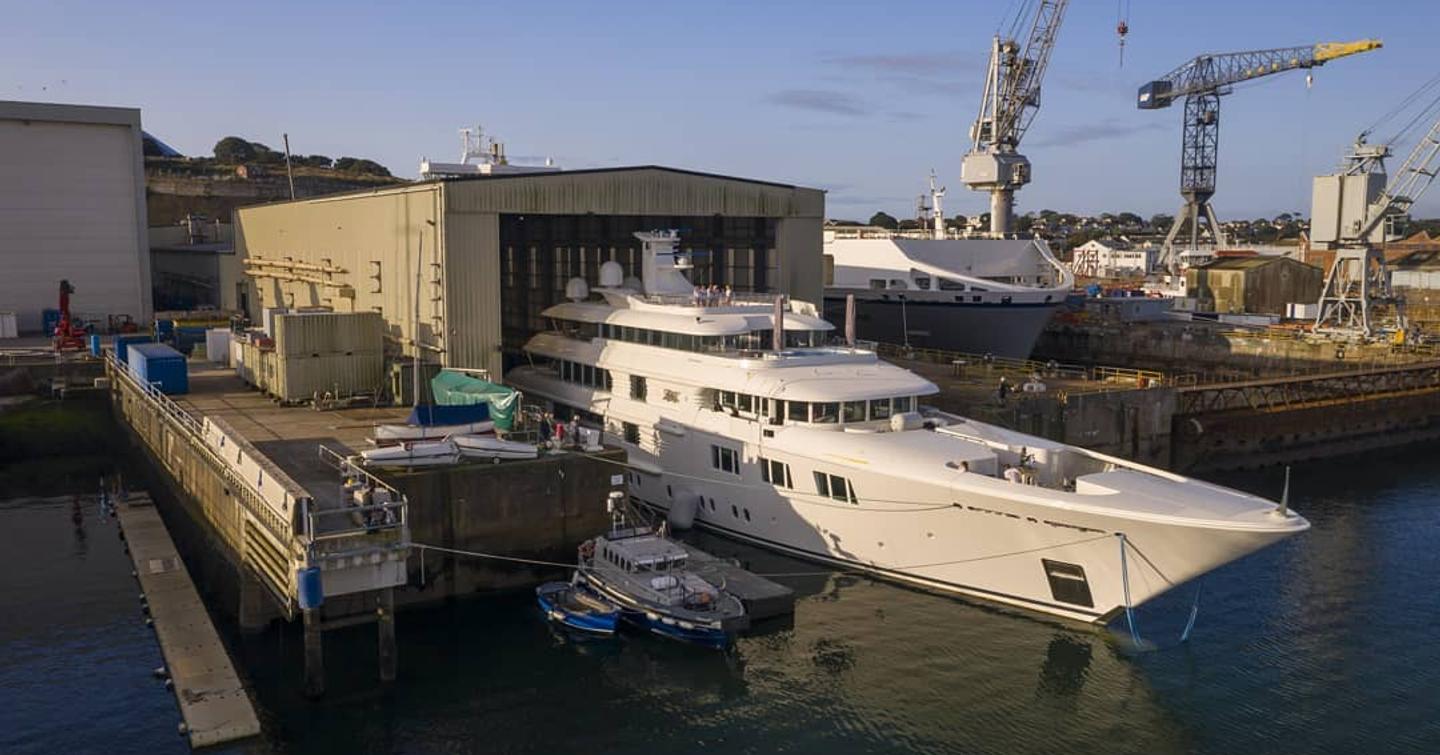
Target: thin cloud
[(1095, 132), (818, 100)]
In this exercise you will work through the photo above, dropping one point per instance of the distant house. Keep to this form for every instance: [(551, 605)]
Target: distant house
[(1419, 269), (1111, 258), (1262, 284)]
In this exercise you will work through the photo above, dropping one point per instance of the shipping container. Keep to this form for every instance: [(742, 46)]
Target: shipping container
[(160, 366), (302, 378), (122, 343), (329, 333), (217, 344)]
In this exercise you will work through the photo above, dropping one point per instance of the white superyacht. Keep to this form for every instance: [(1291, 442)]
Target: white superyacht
[(824, 452)]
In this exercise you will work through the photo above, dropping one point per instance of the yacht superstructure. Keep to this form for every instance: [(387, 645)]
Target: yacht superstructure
[(824, 451)]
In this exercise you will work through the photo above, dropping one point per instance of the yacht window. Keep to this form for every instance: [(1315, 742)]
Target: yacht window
[(854, 411), (725, 459), (670, 340), (776, 473), (879, 408), (827, 412), (923, 284), (904, 404), (727, 399), (877, 284), (588, 376), (777, 413), (976, 299), (840, 489), (637, 387), (632, 433), (897, 283), (652, 337), (798, 411), (950, 285), (565, 371), (822, 484), (745, 403)]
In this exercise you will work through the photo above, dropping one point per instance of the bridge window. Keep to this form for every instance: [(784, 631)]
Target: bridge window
[(637, 387), (854, 411), (880, 408), (825, 412), (904, 404), (797, 411)]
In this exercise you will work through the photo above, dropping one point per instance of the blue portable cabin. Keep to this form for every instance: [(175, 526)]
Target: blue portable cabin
[(160, 366), (123, 342)]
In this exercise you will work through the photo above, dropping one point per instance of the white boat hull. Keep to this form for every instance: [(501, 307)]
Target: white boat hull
[(415, 454), (490, 447), (398, 433), (988, 545)]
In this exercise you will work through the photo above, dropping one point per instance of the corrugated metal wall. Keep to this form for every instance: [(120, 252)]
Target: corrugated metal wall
[(471, 290), (637, 191), (72, 206), (375, 237)]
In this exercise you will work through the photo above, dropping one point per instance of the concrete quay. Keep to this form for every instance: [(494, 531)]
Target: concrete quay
[(270, 494), (213, 702)]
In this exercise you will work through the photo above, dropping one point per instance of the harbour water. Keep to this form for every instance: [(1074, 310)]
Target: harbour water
[(1320, 645)]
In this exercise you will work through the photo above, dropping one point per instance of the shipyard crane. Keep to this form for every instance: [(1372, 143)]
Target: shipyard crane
[(1008, 105), (1202, 81), (1355, 210)]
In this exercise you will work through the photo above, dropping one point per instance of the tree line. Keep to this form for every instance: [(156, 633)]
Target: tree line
[(233, 150)]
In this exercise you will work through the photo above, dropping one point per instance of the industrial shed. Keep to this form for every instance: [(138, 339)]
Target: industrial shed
[(1258, 285), (72, 206), (484, 256)]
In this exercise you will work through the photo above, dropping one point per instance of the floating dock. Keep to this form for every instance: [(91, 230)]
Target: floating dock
[(212, 700), (762, 598)]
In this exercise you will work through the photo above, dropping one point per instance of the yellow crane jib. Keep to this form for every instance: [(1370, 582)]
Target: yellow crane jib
[(1332, 50)]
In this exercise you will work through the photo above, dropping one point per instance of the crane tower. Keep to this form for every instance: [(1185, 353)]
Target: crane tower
[(1202, 81), (1008, 105)]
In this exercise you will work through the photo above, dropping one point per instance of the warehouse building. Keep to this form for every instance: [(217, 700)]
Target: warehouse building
[(480, 258), (1255, 285), (72, 206)]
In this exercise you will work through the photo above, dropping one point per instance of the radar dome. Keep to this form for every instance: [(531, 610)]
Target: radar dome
[(576, 290), (612, 273), (634, 284)]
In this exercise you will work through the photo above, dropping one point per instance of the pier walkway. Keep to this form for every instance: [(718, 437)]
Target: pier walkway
[(212, 700)]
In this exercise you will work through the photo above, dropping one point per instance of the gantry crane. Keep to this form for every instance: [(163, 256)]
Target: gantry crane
[(1202, 81), (1355, 210), (1008, 105)]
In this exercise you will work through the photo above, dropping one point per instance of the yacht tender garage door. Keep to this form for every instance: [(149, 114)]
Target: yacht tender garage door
[(67, 210)]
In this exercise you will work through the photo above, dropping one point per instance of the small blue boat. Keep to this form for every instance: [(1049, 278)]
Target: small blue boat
[(576, 607)]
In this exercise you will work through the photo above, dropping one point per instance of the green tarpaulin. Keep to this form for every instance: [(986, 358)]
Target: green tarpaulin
[(458, 389)]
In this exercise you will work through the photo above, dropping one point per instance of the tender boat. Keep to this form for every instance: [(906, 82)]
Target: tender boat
[(575, 607), (491, 447), (645, 574), (431, 422), (820, 449), (420, 453)]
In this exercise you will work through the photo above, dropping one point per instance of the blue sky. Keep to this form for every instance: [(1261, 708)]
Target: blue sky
[(861, 99)]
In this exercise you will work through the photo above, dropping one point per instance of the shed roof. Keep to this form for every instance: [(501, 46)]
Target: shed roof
[(1246, 263)]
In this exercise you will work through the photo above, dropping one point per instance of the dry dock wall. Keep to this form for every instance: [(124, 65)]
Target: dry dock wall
[(539, 510)]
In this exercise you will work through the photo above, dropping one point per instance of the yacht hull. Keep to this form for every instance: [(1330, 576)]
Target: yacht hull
[(1004, 330)]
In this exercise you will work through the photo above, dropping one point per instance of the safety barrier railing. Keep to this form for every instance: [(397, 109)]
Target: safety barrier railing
[(1024, 368), (357, 518)]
